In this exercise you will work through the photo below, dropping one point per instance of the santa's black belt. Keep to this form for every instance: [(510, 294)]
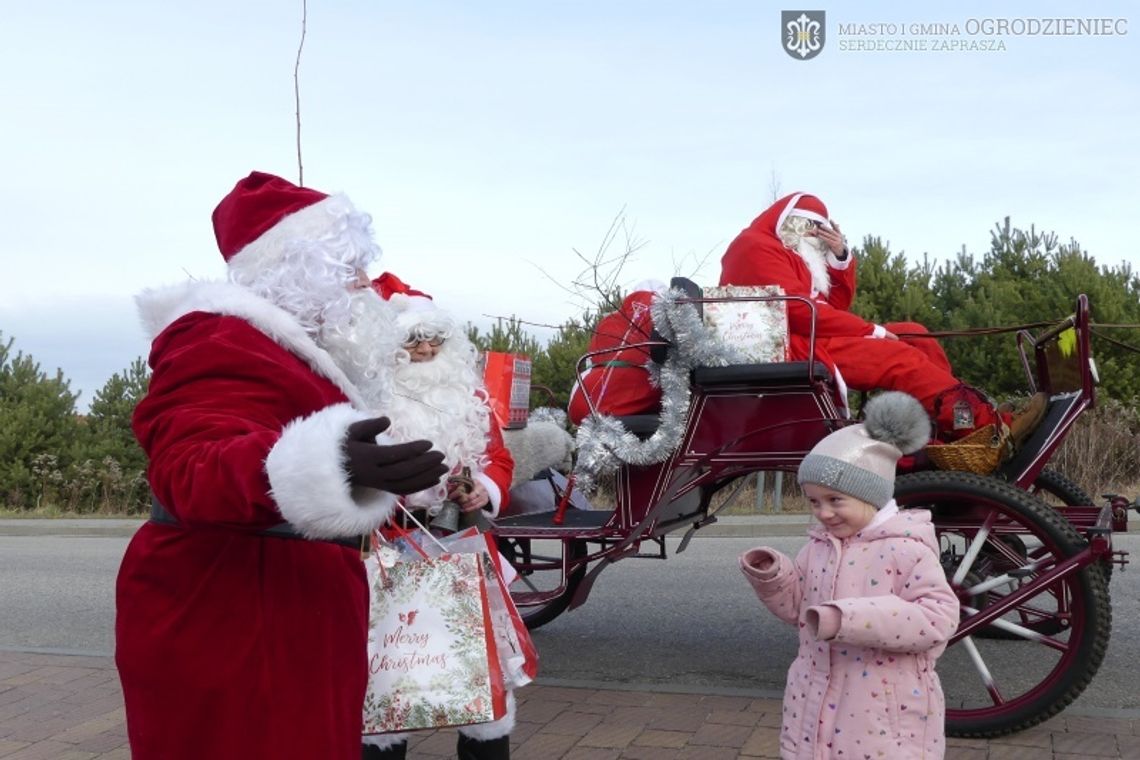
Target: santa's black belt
[(160, 515)]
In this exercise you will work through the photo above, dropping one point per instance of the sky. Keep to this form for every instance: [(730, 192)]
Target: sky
[(495, 143)]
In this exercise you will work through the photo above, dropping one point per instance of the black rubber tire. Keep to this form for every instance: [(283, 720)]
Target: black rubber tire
[(1053, 483), (536, 616), (949, 495), (1066, 491)]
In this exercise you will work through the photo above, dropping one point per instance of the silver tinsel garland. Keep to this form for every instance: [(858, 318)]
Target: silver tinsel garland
[(604, 444)]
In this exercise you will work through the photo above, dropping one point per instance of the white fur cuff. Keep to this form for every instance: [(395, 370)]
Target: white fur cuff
[(485, 731), (878, 332), (835, 262), (308, 481), (493, 492)]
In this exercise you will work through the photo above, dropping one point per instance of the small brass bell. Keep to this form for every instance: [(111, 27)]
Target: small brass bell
[(447, 519)]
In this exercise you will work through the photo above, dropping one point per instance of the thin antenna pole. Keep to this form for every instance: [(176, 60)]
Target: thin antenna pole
[(297, 91)]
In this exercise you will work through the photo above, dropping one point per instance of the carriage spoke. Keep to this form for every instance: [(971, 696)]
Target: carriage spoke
[(973, 550), (983, 671), (1025, 633)]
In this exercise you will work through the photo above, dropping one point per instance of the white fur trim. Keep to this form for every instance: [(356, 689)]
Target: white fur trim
[(492, 491), (502, 727), (309, 483), (385, 741), (159, 308), (879, 332), (835, 262), (790, 209), (321, 219)]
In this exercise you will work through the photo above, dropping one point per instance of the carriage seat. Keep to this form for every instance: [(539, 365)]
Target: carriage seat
[(777, 373)]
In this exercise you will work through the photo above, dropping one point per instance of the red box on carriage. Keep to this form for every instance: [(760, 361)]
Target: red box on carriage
[(507, 379)]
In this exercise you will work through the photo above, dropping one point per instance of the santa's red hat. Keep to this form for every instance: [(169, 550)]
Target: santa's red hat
[(808, 206), (255, 221), (414, 308)]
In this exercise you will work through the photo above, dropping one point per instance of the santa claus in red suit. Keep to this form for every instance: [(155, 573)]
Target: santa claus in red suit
[(241, 606), (617, 380), (436, 393), (794, 244)]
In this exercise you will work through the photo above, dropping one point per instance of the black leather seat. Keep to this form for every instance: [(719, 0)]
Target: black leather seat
[(778, 373), (641, 425)]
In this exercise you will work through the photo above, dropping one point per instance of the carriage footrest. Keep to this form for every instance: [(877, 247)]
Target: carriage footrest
[(575, 519)]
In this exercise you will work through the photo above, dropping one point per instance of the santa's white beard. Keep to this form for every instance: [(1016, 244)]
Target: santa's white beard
[(441, 401), (362, 345), (814, 254)]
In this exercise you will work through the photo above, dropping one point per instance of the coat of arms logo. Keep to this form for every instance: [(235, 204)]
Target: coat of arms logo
[(803, 33)]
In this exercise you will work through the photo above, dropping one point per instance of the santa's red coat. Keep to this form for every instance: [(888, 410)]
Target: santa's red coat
[(617, 380), (230, 644), (843, 339)]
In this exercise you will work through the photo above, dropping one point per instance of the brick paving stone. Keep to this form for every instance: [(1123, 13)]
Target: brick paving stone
[(1084, 724), (672, 700), (609, 735), (592, 753), (542, 747), (1033, 737), (633, 752), (678, 720), (1129, 748), (740, 718), (572, 723), (118, 754), (635, 698), (717, 703), (8, 747), (966, 753), (541, 710), (523, 730), (1089, 745), (49, 751), (707, 753), (657, 738), (721, 735), (563, 693), (436, 744), (100, 743), (1018, 752), (632, 716), (762, 742), (954, 741)]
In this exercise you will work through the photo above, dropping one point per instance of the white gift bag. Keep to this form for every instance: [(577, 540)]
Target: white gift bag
[(758, 329)]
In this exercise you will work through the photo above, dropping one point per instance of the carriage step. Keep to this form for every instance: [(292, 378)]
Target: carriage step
[(583, 523)]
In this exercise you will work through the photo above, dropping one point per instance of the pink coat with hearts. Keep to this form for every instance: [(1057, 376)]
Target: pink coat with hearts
[(882, 606)]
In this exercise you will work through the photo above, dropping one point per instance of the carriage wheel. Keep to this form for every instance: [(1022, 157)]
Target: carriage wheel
[(1054, 488), (539, 592), (994, 534)]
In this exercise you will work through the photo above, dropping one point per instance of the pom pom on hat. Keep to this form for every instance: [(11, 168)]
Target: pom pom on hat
[(860, 460)]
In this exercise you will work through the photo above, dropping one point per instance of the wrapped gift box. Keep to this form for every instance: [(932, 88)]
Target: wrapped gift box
[(759, 329), (507, 379)]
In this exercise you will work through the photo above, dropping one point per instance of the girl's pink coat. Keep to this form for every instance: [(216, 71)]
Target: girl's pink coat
[(871, 692)]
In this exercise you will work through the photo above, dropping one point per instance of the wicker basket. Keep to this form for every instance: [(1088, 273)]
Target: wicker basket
[(979, 452)]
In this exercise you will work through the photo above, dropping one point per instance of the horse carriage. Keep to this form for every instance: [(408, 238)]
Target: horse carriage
[(1027, 552)]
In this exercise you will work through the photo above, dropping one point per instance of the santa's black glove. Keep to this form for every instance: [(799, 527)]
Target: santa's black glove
[(401, 468)]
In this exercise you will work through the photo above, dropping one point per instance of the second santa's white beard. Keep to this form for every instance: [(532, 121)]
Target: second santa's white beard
[(441, 401), (814, 254)]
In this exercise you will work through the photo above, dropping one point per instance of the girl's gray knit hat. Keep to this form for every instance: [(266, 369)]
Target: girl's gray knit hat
[(860, 460)]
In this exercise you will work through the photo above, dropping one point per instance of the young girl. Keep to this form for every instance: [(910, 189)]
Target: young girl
[(870, 598)]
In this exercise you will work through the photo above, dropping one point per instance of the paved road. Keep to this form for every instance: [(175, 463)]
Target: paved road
[(690, 621)]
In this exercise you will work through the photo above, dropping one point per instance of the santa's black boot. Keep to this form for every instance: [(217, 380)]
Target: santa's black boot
[(491, 749), (395, 752)]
